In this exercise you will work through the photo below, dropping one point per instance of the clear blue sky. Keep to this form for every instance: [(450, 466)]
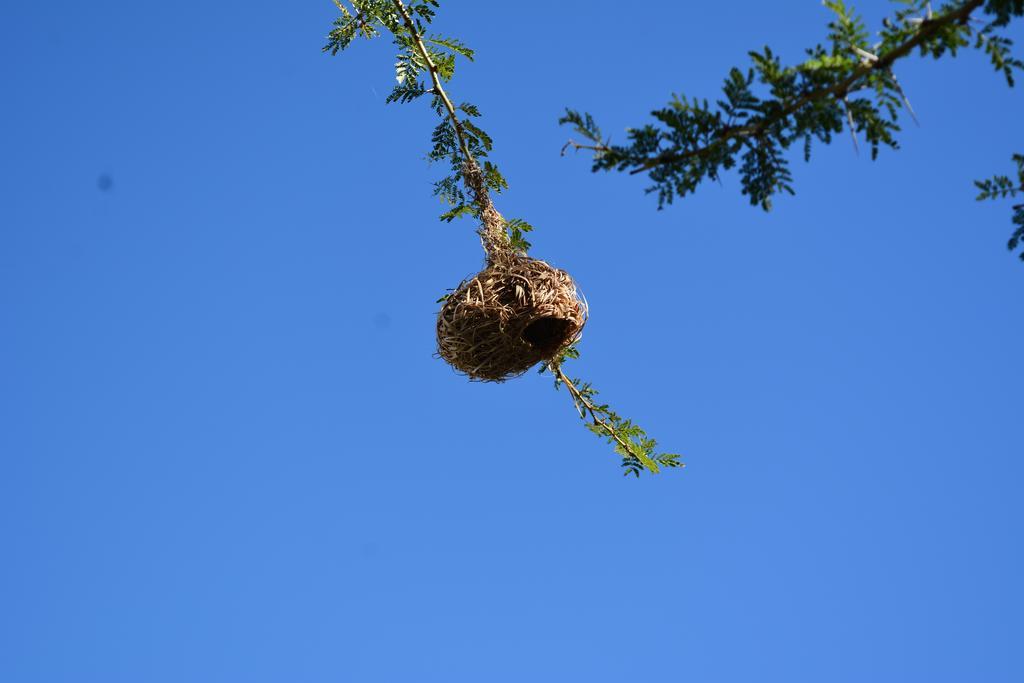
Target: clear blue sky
[(228, 454)]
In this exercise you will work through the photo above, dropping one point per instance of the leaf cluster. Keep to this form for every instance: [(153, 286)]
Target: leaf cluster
[(639, 452), (424, 61), (763, 110), (1002, 186)]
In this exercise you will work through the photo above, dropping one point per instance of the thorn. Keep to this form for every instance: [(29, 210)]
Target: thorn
[(853, 132), (906, 100), (866, 57)]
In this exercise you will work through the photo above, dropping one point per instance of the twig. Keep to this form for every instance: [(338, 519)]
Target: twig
[(585, 406), (358, 14), (435, 78), (576, 146)]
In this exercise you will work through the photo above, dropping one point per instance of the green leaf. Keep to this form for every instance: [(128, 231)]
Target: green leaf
[(452, 44), (457, 212)]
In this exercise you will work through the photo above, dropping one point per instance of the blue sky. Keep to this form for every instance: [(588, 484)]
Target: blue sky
[(229, 455)]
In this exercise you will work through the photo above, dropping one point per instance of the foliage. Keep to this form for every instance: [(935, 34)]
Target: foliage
[(638, 451), (423, 64), (768, 107), (1000, 186), (422, 58)]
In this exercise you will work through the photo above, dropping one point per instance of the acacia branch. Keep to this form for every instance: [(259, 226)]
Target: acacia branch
[(358, 15), (927, 29), (492, 233), (435, 78), (585, 406)]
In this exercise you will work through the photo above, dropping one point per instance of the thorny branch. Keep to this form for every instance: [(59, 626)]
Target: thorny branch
[(435, 78), (493, 233), (585, 407), (359, 15), (927, 28)]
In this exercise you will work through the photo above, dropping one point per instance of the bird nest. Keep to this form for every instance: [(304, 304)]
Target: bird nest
[(510, 316)]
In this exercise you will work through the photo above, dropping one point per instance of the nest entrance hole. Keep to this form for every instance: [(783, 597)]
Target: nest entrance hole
[(547, 334)]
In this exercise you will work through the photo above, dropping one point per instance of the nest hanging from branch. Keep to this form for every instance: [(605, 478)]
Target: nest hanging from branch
[(515, 313), (509, 317)]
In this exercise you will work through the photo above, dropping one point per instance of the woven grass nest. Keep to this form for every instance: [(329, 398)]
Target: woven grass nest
[(515, 313)]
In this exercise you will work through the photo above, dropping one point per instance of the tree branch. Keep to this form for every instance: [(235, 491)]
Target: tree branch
[(584, 406), (435, 78), (926, 30), (492, 233)]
